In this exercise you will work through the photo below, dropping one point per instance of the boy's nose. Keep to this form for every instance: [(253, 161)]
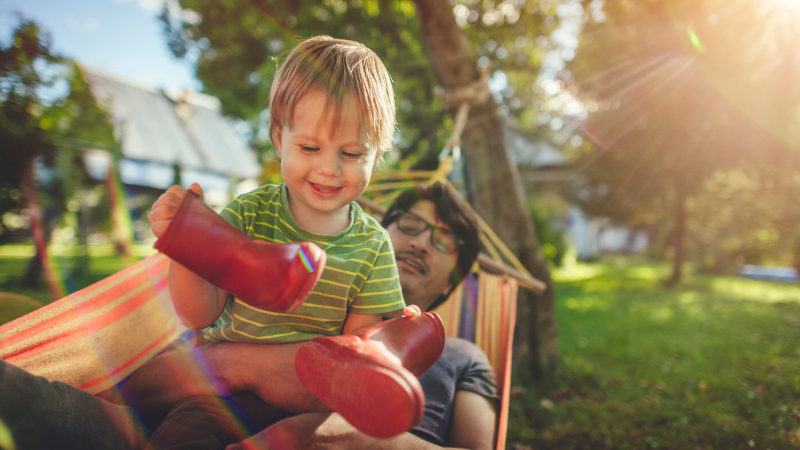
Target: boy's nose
[(329, 164)]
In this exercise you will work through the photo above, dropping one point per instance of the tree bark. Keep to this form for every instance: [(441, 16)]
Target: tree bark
[(678, 235), (493, 183)]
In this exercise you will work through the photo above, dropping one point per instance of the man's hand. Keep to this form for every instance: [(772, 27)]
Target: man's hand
[(164, 208)]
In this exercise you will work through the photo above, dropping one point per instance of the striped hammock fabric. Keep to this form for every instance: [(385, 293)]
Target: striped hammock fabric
[(484, 311), (98, 336)]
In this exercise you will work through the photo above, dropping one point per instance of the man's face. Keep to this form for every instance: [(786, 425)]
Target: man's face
[(424, 270)]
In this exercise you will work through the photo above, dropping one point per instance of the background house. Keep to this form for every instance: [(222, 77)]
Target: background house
[(547, 173), (164, 139), (167, 137)]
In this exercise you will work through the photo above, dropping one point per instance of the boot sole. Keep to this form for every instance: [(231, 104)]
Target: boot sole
[(378, 401)]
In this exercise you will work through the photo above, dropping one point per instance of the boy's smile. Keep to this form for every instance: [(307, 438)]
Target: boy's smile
[(325, 165), (325, 190)]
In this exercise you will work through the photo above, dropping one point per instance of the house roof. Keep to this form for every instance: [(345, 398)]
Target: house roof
[(187, 129)]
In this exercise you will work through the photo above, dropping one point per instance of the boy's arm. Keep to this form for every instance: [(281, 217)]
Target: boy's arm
[(381, 294), (356, 322), (410, 310), (197, 302)]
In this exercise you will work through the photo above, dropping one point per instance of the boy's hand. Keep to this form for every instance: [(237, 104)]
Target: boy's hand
[(412, 310), (164, 208)]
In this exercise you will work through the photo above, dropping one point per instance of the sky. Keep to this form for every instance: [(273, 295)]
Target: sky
[(119, 37)]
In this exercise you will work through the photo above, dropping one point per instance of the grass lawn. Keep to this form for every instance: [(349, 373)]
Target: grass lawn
[(102, 263), (713, 363)]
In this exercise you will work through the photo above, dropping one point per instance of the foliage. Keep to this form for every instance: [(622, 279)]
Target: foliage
[(712, 364), (48, 118), (551, 237), (26, 69), (658, 78), (747, 216), (236, 44), (47, 111), (239, 43)]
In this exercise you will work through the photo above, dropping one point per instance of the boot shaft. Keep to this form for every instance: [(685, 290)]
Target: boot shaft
[(270, 276), (417, 340)]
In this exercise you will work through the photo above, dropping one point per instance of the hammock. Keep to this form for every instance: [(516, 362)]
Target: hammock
[(96, 337)]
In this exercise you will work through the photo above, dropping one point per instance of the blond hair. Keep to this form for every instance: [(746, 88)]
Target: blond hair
[(349, 72)]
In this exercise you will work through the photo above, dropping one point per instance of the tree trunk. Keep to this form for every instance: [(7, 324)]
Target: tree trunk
[(30, 196), (494, 186), (678, 235)]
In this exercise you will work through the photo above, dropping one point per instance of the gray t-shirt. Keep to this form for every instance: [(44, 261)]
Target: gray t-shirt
[(462, 366)]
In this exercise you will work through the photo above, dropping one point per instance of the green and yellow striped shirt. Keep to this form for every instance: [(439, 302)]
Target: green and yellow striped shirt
[(360, 275)]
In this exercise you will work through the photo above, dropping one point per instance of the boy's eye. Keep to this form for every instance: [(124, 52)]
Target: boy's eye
[(351, 155), (308, 149)]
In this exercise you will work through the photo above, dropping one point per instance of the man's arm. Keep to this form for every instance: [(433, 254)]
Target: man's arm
[(472, 428), (474, 421), (223, 369), (228, 367)]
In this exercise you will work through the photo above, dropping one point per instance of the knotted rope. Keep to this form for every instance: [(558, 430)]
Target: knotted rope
[(473, 94)]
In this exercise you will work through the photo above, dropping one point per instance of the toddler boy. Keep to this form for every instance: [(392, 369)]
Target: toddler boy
[(332, 117)]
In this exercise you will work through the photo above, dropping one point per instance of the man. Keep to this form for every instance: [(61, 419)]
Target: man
[(435, 241)]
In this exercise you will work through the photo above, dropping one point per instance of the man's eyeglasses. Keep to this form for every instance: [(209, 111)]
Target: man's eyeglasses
[(413, 225)]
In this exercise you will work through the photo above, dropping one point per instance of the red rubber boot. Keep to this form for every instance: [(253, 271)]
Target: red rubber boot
[(274, 277), (369, 378)]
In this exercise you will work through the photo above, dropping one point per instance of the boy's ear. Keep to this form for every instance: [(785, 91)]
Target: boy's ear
[(276, 140)]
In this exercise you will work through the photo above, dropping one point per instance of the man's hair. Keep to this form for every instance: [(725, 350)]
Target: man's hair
[(347, 71), (454, 214)]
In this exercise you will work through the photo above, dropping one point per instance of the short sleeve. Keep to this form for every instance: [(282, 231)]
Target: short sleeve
[(381, 291), (478, 376), (462, 366)]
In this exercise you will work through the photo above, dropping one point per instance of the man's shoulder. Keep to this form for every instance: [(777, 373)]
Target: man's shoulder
[(463, 346), (463, 353)]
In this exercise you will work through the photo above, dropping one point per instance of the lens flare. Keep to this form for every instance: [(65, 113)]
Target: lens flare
[(306, 261), (696, 41)]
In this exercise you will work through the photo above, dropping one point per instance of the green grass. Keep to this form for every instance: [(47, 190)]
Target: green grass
[(14, 259), (713, 363)]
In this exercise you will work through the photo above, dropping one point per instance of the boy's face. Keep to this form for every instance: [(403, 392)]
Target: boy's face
[(324, 167)]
